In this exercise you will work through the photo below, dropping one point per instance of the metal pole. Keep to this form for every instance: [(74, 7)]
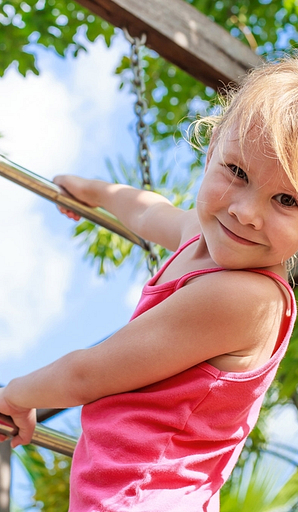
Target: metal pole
[(43, 436), (52, 192), (5, 476)]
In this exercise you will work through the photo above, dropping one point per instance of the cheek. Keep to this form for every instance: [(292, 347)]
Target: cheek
[(209, 196), (286, 239)]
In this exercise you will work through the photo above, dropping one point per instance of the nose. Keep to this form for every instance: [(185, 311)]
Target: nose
[(248, 211)]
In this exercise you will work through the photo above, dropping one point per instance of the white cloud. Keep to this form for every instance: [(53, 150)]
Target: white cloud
[(98, 98), (35, 274), (36, 121), (133, 295), (94, 74), (282, 425), (34, 277)]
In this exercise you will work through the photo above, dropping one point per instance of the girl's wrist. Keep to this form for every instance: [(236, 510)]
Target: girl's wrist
[(12, 394), (93, 192)]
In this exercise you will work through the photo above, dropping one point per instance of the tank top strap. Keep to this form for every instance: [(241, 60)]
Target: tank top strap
[(285, 285), (196, 273), (153, 279), (290, 296)]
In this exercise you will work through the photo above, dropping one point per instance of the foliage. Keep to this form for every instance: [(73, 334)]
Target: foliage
[(287, 376), (258, 23), (104, 246), (54, 24), (50, 478), (258, 487)]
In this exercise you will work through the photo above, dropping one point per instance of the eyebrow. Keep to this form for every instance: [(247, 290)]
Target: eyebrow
[(233, 156)]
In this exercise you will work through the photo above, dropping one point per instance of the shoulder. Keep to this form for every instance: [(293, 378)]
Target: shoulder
[(240, 291), (230, 319), (169, 226), (242, 311), (228, 298)]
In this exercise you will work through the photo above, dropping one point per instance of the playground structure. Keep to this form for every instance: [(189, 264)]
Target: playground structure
[(191, 41)]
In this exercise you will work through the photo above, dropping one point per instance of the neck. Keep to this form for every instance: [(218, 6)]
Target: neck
[(280, 269)]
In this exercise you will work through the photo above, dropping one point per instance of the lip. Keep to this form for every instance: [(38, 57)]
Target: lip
[(236, 238)]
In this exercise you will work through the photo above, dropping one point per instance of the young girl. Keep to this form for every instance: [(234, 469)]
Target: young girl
[(170, 399)]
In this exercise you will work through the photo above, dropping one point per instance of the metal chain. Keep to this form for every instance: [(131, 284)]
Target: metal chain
[(140, 106), (142, 129)]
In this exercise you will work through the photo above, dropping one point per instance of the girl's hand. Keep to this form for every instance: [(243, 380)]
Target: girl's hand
[(77, 188), (23, 418)]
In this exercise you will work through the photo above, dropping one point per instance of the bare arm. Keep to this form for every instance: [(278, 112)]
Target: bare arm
[(177, 334), (147, 214)]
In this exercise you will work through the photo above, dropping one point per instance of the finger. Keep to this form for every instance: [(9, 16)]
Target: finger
[(3, 437), (25, 421), (16, 441), (69, 213), (60, 179), (72, 215), (24, 436)]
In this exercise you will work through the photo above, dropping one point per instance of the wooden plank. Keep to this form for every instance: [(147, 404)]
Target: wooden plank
[(182, 35)]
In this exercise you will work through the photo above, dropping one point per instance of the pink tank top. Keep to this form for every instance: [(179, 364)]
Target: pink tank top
[(170, 446)]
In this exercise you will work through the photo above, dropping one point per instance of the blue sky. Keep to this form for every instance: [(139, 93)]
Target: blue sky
[(67, 120)]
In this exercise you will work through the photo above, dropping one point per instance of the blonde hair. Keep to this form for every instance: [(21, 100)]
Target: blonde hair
[(267, 97)]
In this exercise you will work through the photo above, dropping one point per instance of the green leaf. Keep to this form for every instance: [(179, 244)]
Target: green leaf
[(27, 63), (50, 478), (257, 487)]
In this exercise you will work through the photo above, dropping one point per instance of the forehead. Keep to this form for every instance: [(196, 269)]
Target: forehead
[(254, 145)]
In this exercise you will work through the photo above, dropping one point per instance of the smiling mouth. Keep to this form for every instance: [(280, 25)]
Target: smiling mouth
[(237, 238)]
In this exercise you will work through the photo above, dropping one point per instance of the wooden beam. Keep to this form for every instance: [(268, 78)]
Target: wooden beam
[(182, 35)]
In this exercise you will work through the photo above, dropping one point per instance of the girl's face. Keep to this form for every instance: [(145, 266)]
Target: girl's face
[(247, 207)]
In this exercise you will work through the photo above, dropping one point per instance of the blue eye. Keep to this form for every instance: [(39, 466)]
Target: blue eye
[(238, 172), (286, 200)]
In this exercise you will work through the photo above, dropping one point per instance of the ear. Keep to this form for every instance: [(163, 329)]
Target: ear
[(212, 145)]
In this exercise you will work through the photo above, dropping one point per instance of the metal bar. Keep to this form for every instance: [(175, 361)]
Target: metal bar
[(45, 414), (5, 476), (52, 192), (43, 436)]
